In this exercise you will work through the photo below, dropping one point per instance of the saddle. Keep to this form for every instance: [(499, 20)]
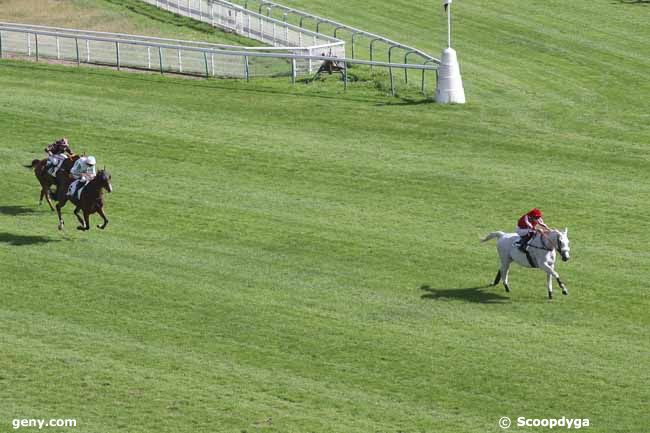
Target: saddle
[(76, 188), (54, 164), (517, 244)]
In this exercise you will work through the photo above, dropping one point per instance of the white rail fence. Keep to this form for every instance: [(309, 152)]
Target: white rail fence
[(250, 24), (359, 38), (230, 15), (173, 56)]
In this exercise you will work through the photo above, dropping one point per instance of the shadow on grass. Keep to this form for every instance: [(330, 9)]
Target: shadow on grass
[(408, 101), (470, 294), (16, 210), (19, 240), (635, 2)]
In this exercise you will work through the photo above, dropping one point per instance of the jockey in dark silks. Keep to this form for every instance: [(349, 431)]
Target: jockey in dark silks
[(527, 226), (57, 152)]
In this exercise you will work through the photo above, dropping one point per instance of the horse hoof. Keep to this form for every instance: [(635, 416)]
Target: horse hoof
[(81, 228), (565, 292), (550, 296)]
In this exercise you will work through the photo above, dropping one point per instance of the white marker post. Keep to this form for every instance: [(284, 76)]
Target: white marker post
[(450, 84)]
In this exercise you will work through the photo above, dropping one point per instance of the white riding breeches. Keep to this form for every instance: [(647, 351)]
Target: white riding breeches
[(55, 162), (73, 187), (524, 232)]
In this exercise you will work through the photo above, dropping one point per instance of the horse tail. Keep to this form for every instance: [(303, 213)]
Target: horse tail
[(33, 164), (497, 234)]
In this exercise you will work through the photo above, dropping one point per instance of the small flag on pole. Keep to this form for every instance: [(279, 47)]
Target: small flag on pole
[(446, 4)]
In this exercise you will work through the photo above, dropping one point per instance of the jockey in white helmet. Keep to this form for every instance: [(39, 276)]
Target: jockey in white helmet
[(83, 171)]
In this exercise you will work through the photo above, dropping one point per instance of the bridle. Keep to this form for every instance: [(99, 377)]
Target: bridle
[(558, 246)]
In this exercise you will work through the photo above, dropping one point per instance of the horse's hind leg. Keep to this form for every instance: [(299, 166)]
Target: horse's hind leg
[(101, 213), (45, 192), (505, 271), (497, 278)]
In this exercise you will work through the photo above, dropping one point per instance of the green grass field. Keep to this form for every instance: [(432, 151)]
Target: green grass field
[(299, 259)]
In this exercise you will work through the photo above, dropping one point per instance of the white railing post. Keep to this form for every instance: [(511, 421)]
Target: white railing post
[(117, 54), (311, 64)]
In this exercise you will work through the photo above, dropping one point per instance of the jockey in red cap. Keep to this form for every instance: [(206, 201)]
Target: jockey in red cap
[(527, 226), (56, 154)]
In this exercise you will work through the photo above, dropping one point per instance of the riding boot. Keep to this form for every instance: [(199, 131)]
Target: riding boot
[(523, 243)]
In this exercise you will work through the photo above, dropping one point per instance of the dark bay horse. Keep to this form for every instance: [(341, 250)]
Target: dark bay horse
[(47, 180), (91, 201)]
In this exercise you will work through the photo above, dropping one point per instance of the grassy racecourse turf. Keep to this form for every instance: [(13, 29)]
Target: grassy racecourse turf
[(299, 259)]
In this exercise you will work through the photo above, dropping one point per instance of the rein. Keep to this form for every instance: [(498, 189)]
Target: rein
[(545, 247)]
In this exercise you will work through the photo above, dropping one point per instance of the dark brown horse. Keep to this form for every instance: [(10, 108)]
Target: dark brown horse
[(47, 180), (91, 201)]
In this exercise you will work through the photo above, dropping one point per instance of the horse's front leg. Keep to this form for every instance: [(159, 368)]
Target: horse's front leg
[(101, 213), (565, 291), (551, 273), (86, 221), (81, 221)]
